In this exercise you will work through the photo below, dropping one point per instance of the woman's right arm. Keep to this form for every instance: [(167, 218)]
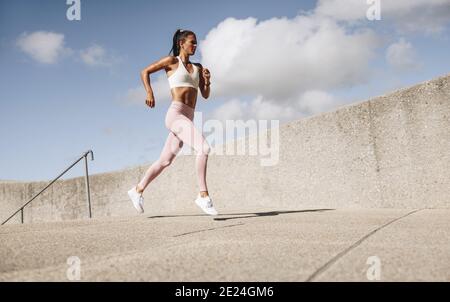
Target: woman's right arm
[(145, 77)]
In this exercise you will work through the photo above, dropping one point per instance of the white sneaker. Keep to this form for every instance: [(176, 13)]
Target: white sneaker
[(137, 199), (205, 203)]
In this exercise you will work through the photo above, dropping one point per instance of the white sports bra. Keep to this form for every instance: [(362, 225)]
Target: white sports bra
[(182, 78)]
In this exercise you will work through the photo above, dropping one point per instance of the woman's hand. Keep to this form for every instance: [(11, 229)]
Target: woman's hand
[(206, 75), (150, 100)]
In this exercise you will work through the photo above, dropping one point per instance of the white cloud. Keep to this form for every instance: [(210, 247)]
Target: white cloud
[(135, 95), (236, 109), (160, 87), (44, 47), (48, 48), (260, 108), (97, 55), (316, 101), (428, 16), (233, 109), (348, 10), (264, 109), (287, 64), (280, 58), (401, 56)]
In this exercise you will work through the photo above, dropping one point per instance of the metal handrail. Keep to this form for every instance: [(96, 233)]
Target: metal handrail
[(88, 194)]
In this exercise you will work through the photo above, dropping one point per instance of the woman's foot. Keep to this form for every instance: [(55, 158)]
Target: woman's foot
[(139, 190), (205, 203), (137, 199)]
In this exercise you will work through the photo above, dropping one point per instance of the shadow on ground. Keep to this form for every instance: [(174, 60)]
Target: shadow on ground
[(246, 215)]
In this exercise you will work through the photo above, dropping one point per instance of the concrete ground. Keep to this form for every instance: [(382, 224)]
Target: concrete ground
[(261, 245)]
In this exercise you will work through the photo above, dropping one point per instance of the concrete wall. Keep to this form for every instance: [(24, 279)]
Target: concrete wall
[(391, 151)]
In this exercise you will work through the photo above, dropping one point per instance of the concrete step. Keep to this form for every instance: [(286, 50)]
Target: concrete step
[(304, 244)]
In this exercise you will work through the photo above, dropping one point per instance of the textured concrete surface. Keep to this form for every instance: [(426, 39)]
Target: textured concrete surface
[(391, 151), (302, 244)]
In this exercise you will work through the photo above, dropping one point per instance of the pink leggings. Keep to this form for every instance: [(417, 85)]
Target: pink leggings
[(182, 130)]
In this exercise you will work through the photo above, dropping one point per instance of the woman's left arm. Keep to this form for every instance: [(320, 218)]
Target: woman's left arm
[(205, 81)]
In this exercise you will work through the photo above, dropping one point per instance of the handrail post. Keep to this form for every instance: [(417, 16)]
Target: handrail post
[(88, 193), (70, 167)]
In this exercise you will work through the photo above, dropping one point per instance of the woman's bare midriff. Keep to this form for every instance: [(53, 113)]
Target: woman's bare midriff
[(186, 95)]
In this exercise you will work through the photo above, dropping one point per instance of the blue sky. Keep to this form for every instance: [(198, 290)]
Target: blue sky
[(53, 108)]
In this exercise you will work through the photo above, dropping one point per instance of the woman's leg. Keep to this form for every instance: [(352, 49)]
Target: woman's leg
[(171, 148), (184, 129)]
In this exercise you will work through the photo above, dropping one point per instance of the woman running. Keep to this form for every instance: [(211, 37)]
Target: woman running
[(184, 78)]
